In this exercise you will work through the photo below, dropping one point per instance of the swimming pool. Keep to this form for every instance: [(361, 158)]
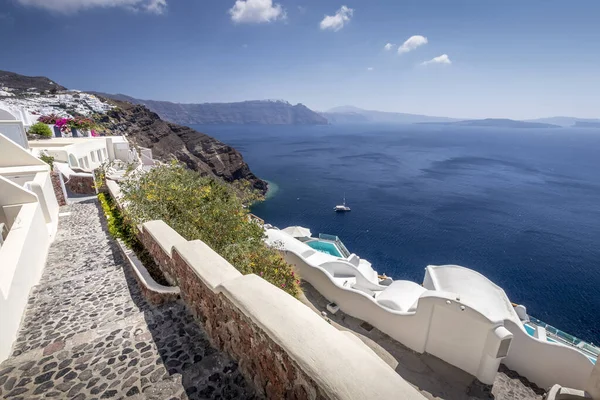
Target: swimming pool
[(325, 247), (531, 331)]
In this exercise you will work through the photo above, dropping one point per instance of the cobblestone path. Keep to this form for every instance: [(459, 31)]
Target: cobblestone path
[(89, 334)]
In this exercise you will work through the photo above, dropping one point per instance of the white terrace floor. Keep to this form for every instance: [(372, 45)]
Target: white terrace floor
[(434, 378), (88, 333)]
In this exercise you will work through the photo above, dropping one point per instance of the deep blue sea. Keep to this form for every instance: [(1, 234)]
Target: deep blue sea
[(521, 206)]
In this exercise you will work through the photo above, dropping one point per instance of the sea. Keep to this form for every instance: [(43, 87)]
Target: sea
[(521, 206)]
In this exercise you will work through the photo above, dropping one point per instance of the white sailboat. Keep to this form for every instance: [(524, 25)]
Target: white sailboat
[(343, 207)]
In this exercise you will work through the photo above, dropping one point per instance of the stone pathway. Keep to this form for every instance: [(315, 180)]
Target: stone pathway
[(88, 333)]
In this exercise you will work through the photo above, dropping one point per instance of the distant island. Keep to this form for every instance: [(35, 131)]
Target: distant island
[(253, 112), (586, 124), (355, 115), (495, 122), (570, 122)]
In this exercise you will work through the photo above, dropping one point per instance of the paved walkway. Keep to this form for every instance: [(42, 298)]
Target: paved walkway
[(88, 333), (434, 378)]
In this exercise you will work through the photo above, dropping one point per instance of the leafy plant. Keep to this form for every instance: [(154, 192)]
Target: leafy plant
[(120, 228), (203, 208), (40, 129), (49, 119), (47, 159)]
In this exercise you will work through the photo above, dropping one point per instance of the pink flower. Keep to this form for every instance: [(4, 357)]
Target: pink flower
[(261, 274), (283, 285)]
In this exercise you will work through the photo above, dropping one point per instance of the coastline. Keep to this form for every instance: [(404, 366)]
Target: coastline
[(272, 189)]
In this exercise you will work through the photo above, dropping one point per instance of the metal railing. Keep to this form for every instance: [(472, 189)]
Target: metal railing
[(337, 241), (563, 337)]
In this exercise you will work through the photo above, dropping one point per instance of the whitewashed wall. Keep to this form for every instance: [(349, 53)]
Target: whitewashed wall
[(23, 256), (439, 326), (465, 339), (547, 363)]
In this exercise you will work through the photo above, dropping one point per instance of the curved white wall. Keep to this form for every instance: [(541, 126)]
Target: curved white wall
[(465, 339), (439, 326), (546, 363)]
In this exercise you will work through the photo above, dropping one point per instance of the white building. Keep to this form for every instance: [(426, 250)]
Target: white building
[(12, 125), (86, 153), (28, 222)]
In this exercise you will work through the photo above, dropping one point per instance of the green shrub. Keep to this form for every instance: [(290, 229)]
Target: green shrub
[(120, 228), (40, 129), (47, 159), (203, 208)]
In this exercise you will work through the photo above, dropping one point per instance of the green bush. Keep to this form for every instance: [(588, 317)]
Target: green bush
[(203, 208), (47, 159), (40, 129), (120, 228)]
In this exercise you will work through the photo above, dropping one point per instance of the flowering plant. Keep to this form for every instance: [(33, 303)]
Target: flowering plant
[(63, 124), (66, 124), (49, 119)]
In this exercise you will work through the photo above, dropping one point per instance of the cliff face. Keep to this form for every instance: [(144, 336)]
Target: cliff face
[(256, 112), (198, 151)]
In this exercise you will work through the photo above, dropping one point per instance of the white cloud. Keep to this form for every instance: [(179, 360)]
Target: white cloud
[(443, 59), (412, 43), (73, 6), (388, 46), (156, 6), (256, 11), (337, 21), (370, 69)]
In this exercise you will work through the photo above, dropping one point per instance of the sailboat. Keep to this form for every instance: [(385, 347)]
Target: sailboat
[(343, 207)]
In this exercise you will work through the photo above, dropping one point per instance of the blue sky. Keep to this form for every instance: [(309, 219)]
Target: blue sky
[(503, 58)]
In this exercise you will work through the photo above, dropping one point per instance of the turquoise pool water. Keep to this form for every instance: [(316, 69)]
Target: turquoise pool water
[(325, 247)]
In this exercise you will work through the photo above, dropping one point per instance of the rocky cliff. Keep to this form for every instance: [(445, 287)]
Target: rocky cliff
[(198, 151), (255, 112)]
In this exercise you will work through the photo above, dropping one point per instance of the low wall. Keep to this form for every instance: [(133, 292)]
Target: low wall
[(593, 383), (58, 188), (81, 184), (42, 186), (152, 291), (22, 259), (547, 363), (281, 345)]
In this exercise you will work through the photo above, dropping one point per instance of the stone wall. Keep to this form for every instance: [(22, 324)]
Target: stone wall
[(154, 292), (81, 184), (58, 190), (282, 346)]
